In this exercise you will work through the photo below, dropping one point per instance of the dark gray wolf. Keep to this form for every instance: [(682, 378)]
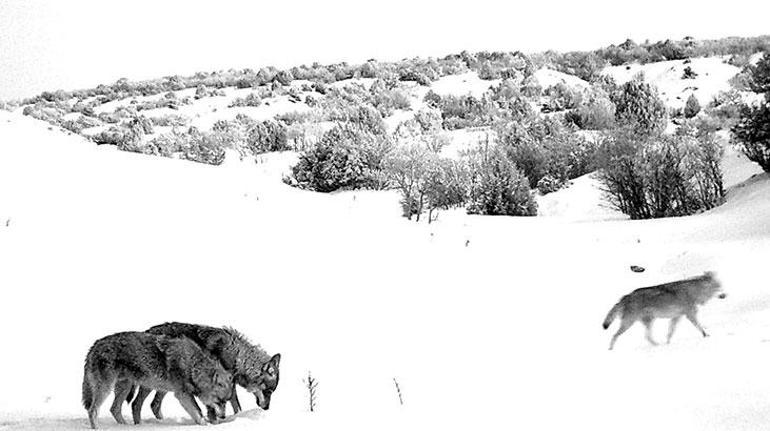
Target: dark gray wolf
[(670, 300), (175, 365), (252, 368)]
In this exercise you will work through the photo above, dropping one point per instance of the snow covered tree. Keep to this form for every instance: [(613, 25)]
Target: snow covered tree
[(753, 133), (497, 187), (753, 128), (347, 156), (637, 104)]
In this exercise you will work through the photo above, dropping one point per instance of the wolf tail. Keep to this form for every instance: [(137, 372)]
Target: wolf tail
[(614, 311), (88, 393)]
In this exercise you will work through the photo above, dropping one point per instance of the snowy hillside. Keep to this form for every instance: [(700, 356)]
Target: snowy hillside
[(486, 322), (712, 77)]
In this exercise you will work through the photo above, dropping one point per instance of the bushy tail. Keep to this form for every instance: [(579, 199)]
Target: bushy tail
[(88, 393), (614, 311)]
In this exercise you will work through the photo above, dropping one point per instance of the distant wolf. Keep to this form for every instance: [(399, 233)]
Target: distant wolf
[(670, 300), (175, 365), (252, 368)]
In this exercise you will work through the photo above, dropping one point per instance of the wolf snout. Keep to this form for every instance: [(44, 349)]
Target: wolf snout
[(722, 296)]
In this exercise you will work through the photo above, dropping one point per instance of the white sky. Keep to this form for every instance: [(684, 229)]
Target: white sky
[(50, 44)]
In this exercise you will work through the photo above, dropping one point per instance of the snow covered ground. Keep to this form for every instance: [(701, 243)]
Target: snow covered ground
[(486, 322), (713, 74)]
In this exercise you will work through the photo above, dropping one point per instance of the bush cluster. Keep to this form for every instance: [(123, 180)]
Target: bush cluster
[(266, 136), (425, 180), (650, 52), (348, 156), (561, 97), (49, 113), (484, 181), (384, 96), (169, 100), (596, 111), (83, 122), (127, 137), (546, 149), (191, 144), (202, 91), (170, 120), (652, 176), (459, 112), (252, 99), (497, 187)]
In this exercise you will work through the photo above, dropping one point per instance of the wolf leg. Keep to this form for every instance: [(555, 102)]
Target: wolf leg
[(692, 317), (156, 404), (672, 327), (624, 325), (234, 401), (122, 388), (648, 330), (190, 406), (136, 405)]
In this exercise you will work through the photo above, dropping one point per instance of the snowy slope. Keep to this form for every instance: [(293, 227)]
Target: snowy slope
[(462, 85), (548, 77), (712, 77), (486, 322)]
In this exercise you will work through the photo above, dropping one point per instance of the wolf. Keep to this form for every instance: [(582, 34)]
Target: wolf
[(252, 368), (670, 300), (175, 365)]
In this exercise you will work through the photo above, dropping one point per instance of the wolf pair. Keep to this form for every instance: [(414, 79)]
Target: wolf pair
[(186, 359), (671, 300)]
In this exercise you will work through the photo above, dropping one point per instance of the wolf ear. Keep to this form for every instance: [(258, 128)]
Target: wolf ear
[(271, 366)]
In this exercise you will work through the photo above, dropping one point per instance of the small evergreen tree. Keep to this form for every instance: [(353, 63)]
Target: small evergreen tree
[(689, 73), (753, 128), (753, 133), (691, 107), (637, 105)]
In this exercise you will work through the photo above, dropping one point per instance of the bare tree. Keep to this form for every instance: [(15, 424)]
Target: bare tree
[(398, 391), (312, 387)]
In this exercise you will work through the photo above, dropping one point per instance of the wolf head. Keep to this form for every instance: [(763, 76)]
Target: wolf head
[(217, 391), (265, 382), (710, 287)]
